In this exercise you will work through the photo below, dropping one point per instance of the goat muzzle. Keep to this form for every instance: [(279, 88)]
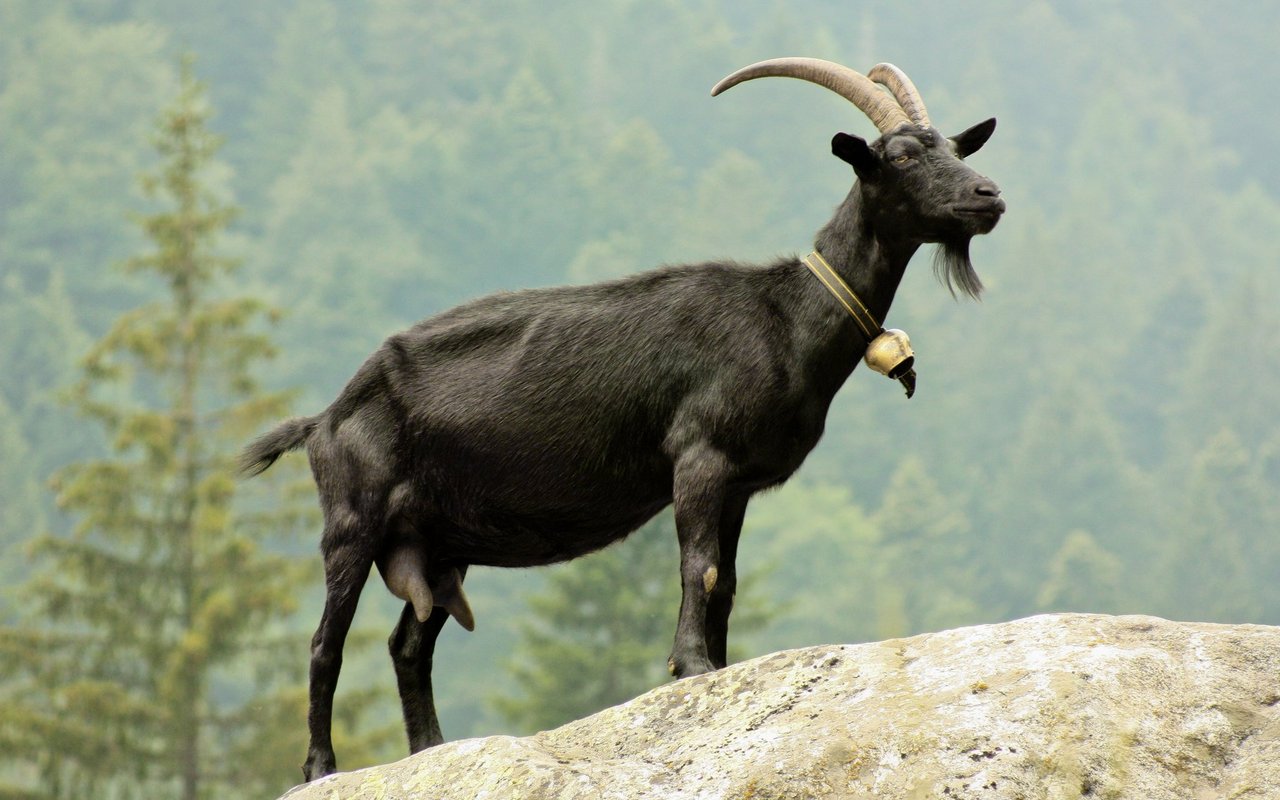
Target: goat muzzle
[(890, 354)]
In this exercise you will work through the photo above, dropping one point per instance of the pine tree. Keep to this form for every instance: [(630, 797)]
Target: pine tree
[(924, 572), (74, 107), (1220, 537), (308, 58), (1083, 576), (807, 535), (149, 661), (315, 246)]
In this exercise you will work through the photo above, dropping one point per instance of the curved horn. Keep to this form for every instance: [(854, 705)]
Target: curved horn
[(904, 90), (852, 86)]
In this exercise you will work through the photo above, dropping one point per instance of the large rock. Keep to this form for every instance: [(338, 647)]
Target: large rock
[(1062, 706)]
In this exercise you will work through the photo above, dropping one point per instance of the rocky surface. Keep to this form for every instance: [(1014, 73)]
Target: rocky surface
[(1059, 706)]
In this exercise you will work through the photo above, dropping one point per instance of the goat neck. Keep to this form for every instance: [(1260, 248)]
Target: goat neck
[(870, 259)]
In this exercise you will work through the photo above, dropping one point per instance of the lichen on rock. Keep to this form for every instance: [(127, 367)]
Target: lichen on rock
[(1055, 706)]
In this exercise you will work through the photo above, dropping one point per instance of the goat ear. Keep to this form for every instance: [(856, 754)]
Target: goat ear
[(855, 152), (972, 140)]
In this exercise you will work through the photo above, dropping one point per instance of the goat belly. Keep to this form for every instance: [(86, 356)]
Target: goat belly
[(501, 537), (501, 496)]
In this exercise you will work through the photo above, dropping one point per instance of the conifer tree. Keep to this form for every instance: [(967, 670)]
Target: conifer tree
[(1083, 576), (924, 570), (1211, 564), (149, 665), (807, 535)]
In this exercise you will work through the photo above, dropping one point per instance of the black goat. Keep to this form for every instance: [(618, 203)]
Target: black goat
[(533, 427)]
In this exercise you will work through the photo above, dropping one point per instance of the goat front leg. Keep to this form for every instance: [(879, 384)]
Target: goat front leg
[(700, 478), (721, 593), (346, 568)]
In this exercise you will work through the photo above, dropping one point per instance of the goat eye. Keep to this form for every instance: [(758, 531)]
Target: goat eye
[(902, 159)]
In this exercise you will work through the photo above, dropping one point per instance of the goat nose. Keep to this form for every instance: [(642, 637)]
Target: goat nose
[(986, 189)]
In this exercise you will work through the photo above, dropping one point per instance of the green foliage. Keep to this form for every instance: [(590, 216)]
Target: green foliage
[(813, 535), (164, 588), (73, 107), (597, 632), (925, 566), (1083, 576), (1096, 435), (308, 58), (1213, 570), (906, 567), (600, 629), (319, 244)]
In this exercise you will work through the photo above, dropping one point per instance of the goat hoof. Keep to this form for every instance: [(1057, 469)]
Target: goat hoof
[(682, 668), (317, 766)]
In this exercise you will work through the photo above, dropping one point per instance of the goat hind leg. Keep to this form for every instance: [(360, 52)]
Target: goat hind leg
[(346, 568), (412, 647)]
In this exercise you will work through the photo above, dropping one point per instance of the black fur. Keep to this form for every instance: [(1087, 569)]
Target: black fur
[(532, 427), (288, 435)]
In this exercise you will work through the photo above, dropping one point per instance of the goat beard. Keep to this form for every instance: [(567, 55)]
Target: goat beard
[(953, 268)]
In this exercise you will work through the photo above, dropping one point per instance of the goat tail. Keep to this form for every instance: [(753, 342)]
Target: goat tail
[(263, 451)]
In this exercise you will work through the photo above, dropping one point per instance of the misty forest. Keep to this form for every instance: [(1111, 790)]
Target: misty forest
[(211, 213)]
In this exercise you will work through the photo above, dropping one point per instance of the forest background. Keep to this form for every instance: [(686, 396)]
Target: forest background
[(1096, 435)]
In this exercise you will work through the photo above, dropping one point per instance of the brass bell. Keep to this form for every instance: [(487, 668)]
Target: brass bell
[(890, 354)]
